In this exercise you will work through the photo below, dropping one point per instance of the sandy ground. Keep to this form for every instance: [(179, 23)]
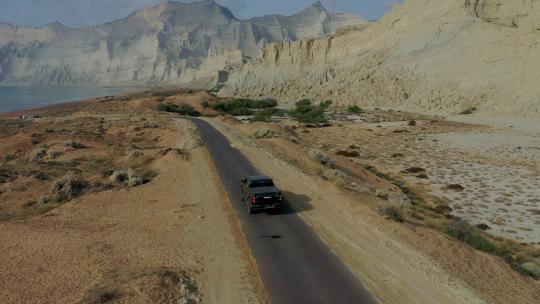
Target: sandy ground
[(399, 263), (173, 239), (495, 160)]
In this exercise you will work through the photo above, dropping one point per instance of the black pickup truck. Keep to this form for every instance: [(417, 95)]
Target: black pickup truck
[(260, 193)]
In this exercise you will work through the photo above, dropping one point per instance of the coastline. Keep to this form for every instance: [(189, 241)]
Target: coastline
[(65, 105), (22, 98)]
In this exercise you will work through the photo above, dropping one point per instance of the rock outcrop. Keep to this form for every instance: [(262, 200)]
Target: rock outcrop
[(172, 43), (437, 55), (503, 12)]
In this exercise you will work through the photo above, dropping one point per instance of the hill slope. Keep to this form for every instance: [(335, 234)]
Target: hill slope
[(172, 43), (435, 55)]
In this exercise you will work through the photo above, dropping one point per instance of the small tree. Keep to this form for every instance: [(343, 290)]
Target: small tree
[(307, 112), (354, 109)]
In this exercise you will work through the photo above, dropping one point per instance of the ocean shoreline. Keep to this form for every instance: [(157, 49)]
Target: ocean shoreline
[(28, 105), (63, 105)]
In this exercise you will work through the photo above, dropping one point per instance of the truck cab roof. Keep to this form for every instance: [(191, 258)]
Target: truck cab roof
[(259, 178), (259, 181)]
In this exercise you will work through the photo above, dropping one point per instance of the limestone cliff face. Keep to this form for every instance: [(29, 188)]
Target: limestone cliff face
[(437, 55), (172, 43), (503, 12)]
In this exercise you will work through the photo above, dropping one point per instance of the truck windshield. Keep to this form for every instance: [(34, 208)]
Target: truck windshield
[(261, 183)]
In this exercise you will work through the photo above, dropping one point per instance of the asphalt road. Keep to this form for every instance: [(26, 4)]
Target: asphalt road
[(296, 266)]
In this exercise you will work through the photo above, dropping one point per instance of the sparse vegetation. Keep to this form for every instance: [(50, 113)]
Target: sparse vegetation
[(183, 109), (471, 236), (97, 165), (71, 148), (68, 188), (521, 257)]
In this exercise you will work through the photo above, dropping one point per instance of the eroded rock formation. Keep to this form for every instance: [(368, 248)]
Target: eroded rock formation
[(172, 43)]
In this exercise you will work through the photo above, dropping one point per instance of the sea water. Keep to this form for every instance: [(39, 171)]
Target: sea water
[(20, 98)]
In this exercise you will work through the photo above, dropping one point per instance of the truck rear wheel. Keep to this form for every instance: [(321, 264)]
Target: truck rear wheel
[(251, 210)]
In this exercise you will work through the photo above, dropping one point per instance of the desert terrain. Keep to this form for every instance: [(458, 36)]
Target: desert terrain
[(106, 202), (111, 200)]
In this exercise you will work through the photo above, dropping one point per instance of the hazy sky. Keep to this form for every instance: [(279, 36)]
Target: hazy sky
[(78, 13)]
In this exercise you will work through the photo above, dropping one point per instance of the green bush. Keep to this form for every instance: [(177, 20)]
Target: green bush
[(307, 112), (243, 106), (471, 236), (183, 109), (354, 109)]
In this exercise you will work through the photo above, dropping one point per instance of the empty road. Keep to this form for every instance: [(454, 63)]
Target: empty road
[(296, 266)]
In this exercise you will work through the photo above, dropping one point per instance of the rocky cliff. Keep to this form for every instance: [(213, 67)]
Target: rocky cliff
[(436, 55), (172, 43)]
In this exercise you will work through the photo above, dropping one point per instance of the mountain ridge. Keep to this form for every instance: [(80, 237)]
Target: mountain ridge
[(172, 43), (432, 56)]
